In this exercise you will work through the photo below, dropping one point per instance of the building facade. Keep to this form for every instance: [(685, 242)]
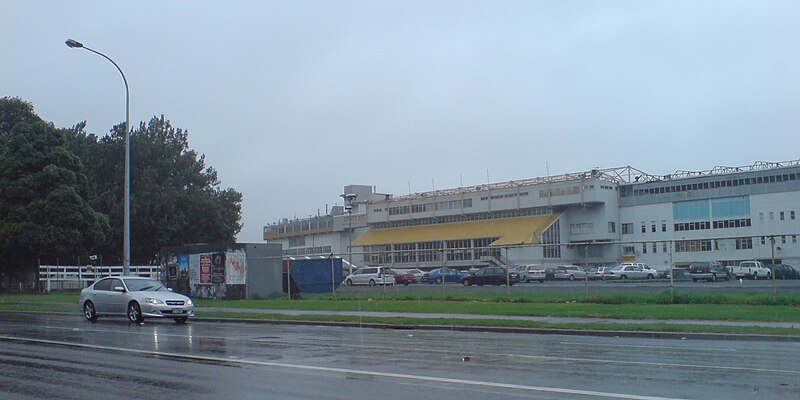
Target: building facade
[(596, 217)]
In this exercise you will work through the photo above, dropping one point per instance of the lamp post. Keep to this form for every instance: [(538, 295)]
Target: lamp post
[(349, 198), (126, 233)]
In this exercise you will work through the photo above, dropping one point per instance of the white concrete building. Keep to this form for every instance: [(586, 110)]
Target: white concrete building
[(597, 217)]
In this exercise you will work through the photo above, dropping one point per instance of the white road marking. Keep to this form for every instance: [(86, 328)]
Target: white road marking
[(656, 364), (350, 371), (628, 346)]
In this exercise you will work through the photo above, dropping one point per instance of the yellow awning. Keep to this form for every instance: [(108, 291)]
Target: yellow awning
[(509, 231)]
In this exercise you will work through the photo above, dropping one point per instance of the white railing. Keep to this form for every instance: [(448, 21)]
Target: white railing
[(60, 277)]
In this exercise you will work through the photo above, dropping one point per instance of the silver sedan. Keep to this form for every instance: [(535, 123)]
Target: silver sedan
[(135, 298)]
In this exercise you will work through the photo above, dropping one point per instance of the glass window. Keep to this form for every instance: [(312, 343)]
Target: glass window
[(104, 284)]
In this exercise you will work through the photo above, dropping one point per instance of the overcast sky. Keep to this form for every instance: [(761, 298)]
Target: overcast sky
[(292, 100)]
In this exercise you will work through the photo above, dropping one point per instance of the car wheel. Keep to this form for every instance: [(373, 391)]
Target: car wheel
[(89, 311), (650, 276), (713, 277), (135, 313), (467, 282), (439, 280), (372, 282), (181, 320), (755, 276), (623, 277), (348, 282), (572, 277)]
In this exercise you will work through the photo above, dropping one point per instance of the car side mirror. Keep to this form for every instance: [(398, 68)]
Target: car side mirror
[(119, 289)]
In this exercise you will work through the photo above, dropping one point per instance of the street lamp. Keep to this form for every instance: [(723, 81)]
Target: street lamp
[(126, 233), (349, 198)]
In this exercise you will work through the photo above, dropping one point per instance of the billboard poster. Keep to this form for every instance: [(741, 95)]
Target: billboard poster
[(183, 265), (194, 269), (205, 269), (218, 268), (235, 268)]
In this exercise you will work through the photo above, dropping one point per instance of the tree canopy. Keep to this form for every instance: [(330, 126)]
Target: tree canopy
[(44, 210), (61, 190)]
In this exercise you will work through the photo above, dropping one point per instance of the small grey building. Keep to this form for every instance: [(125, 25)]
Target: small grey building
[(223, 271)]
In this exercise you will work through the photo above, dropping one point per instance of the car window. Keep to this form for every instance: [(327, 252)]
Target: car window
[(104, 284), (143, 285), (114, 283)]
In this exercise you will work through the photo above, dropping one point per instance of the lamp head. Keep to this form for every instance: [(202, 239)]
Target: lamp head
[(74, 43)]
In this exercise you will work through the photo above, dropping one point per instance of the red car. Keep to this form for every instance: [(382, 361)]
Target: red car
[(403, 278)]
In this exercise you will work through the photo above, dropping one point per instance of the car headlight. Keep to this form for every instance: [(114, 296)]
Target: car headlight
[(189, 302), (151, 300)]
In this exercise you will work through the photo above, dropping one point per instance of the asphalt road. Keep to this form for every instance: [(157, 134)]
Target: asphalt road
[(598, 286), (57, 356)]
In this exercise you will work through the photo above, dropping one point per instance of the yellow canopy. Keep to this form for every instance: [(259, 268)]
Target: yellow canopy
[(509, 231)]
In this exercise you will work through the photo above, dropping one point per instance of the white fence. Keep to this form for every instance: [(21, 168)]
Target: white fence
[(60, 277)]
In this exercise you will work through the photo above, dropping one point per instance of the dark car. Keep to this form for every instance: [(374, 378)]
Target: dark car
[(784, 271), (491, 276), (403, 278), (710, 271)]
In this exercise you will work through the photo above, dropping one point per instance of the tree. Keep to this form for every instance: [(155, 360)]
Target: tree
[(44, 212), (175, 198)]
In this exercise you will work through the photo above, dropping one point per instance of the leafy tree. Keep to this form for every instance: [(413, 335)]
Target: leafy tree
[(44, 212), (175, 197)]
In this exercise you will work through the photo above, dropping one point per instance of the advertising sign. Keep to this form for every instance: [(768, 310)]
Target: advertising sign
[(235, 268), (205, 269), (218, 268)]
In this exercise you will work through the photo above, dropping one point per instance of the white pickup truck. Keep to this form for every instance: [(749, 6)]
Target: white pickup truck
[(751, 269)]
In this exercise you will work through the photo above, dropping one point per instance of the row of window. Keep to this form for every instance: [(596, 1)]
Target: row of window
[(627, 228), (307, 250), (715, 184), (426, 207), (504, 196), (310, 224), (559, 191), (781, 216), (524, 212), (452, 250)]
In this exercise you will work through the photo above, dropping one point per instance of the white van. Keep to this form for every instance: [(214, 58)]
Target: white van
[(370, 276)]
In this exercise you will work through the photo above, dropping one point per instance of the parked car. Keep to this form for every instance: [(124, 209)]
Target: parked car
[(534, 273), (784, 271), (435, 276), (597, 273), (710, 271), (370, 276), (416, 272), (401, 277), (491, 276), (569, 272), (135, 298), (646, 268), (751, 269), (627, 272)]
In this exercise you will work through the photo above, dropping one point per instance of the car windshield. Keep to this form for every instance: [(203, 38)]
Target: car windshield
[(144, 285)]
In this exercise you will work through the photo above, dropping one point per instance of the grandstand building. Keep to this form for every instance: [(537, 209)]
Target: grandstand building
[(596, 217)]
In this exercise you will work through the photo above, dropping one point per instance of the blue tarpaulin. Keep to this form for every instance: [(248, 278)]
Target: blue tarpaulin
[(313, 275)]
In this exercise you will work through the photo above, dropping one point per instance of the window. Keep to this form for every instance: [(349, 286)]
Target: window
[(652, 226), (581, 229), (663, 225), (763, 240), (628, 250), (771, 216), (627, 229), (664, 247), (644, 227), (644, 248), (794, 239), (103, 285), (655, 247), (783, 239), (761, 217), (791, 214), (782, 216), (612, 227)]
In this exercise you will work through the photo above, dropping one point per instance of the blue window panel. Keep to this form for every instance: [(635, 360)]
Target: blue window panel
[(731, 207), (696, 210)]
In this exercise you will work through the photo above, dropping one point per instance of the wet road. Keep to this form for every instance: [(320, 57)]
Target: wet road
[(56, 356)]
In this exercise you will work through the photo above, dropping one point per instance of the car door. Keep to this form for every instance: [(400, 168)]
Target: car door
[(117, 300), (99, 295)]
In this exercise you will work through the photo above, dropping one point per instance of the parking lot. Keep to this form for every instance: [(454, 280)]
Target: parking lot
[(598, 286)]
